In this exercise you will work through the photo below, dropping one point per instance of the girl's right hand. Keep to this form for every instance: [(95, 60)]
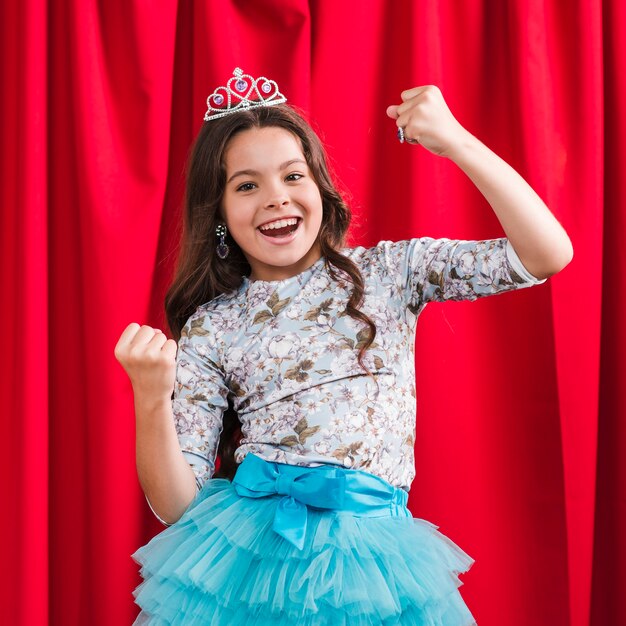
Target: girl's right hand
[(149, 359)]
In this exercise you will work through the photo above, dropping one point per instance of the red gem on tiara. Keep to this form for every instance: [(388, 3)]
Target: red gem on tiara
[(242, 92)]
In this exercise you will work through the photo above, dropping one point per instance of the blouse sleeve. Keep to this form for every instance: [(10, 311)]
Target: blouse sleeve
[(435, 270), (199, 401)]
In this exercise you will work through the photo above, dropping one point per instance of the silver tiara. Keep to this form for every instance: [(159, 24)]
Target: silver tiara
[(242, 92)]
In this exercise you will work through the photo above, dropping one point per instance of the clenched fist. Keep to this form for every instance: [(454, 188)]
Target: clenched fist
[(149, 359), (426, 119)]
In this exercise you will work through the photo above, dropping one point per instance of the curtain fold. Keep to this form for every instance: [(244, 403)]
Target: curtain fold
[(24, 373), (520, 425), (610, 513)]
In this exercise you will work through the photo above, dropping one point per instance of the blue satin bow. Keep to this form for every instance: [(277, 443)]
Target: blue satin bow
[(256, 478), (323, 487)]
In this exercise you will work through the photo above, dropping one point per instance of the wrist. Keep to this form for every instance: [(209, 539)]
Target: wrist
[(462, 146), (149, 403)]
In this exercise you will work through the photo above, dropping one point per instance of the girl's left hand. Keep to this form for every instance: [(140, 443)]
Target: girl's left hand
[(427, 120)]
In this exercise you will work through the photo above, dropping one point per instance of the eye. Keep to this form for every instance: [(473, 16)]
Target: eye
[(293, 177), (245, 187)]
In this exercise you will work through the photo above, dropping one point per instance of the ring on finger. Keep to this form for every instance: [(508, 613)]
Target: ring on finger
[(401, 134)]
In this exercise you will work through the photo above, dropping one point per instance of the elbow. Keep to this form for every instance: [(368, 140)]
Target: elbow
[(557, 261), (569, 255), (564, 256)]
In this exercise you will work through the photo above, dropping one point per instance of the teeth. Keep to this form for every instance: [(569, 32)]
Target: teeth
[(280, 224)]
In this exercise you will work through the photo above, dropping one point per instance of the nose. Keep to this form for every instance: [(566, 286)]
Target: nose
[(277, 198), (276, 202)]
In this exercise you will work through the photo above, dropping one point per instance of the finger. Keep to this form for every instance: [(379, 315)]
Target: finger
[(128, 334), (154, 348), (130, 330), (409, 105), (124, 341), (157, 340), (143, 335), (410, 135), (408, 94), (413, 104), (392, 111), (169, 348), (403, 120)]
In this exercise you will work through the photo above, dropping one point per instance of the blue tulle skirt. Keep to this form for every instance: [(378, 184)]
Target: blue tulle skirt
[(226, 563)]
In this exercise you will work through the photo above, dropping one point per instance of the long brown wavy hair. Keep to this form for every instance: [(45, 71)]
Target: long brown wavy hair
[(201, 275)]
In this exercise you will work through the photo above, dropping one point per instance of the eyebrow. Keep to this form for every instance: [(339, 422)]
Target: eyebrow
[(282, 166)]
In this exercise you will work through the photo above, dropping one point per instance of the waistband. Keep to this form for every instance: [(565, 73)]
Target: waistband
[(329, 487)]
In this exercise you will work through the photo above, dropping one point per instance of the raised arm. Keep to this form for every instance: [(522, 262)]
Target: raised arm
[(166, 478), (539, 240)]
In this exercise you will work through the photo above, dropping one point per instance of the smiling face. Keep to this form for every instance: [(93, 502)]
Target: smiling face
[(271, 205)]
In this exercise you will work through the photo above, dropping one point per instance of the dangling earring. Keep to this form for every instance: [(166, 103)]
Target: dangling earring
[(222, 248)]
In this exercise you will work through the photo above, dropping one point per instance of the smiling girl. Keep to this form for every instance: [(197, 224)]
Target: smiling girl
[(292, 361), (272, 208)]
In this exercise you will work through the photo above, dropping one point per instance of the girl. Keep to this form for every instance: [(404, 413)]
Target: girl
[(308, 346)]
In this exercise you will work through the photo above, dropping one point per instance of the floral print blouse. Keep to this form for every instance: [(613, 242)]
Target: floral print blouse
[(285, 354)]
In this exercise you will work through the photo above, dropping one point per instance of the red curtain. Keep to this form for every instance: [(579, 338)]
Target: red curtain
[(520, 425)]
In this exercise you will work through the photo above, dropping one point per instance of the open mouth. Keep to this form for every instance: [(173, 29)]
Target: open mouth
[(281, 228)]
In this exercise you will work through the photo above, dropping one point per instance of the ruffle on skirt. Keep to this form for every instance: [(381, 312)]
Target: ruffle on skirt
[(222, 564)]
